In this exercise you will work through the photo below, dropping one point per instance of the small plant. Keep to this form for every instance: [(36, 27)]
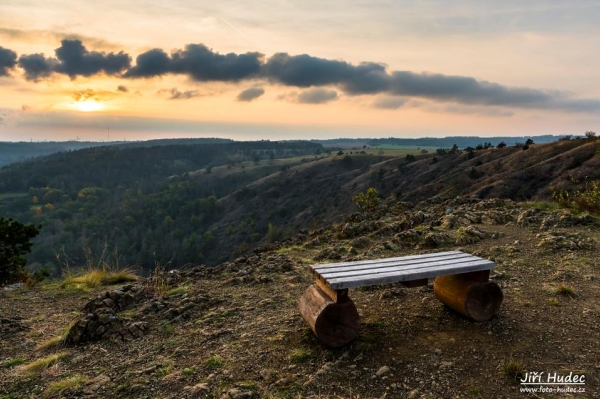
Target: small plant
[(474, 392), (188, 371), (184, 289), (553, 302), (299, 355), (59, 387), (12, 363), (565, 290), (94, 278), (366, 201), (214, 362), (513, 369), (42, 364), (585, 199)]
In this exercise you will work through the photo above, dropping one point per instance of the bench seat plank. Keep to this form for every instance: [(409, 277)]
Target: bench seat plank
[(396, 264), (400, 269), (384, 260)]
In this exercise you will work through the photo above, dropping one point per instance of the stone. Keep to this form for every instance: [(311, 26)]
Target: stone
[(383, 370)]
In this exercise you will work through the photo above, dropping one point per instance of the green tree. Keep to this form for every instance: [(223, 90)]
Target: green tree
[(367, 200), (15, 241), (501, 144)]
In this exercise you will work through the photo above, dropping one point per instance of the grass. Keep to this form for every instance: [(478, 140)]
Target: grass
[(59, 387), (553, 302), (94, 278), (299, 355), (214, 362), (188, 371), (13, 363), (42, 364), (184, 289), (51, 343), (565, 290), (287, 250), (513, 369)]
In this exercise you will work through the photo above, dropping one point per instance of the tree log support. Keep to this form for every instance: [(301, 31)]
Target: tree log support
[(335, 323), (471, 294)]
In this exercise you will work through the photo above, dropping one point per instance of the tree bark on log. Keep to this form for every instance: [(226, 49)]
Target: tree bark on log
[(468, 295), (335, 324)]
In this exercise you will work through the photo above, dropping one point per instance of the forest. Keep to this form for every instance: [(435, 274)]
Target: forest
[(133, 205)]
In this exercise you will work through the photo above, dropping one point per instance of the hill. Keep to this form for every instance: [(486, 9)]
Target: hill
[(179, 204), (234, 331)]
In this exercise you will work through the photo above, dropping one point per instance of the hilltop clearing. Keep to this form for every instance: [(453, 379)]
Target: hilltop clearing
[(234, 331)]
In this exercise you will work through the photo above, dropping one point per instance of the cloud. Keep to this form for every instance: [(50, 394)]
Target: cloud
[(180, 95), (73, 59), (83, 95), (122, 89), (250, 94), (198, 62), (202, 64), (316, 96), (389, 102), (37, 35), (8, 60), (306, 71)]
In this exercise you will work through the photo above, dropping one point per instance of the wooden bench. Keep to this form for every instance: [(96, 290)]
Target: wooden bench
[(461, 282)]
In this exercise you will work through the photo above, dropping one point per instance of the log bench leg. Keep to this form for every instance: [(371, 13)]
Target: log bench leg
[(471, 294), (334, 323)]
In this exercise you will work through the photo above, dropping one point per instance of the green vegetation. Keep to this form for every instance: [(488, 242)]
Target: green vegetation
[(299, 355), (513, 369), (184, 289), (142, 204), (565, 290), (214, 362), (67, 384), (42, 364), (15, 241), (366, 201), (585, 199), (12, 363)]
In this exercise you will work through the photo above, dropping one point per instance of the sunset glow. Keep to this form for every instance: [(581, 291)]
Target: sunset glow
[(273, 70)]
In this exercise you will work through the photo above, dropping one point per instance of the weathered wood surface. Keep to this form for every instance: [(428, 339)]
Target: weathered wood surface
[(402, 269), (335, 324), (336, 296), (470, 294)]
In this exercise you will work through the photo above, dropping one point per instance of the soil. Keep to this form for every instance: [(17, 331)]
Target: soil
[(234, 331)]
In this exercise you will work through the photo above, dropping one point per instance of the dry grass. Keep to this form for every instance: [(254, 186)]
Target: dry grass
[(59, 387), (42, 364), (94, 278)]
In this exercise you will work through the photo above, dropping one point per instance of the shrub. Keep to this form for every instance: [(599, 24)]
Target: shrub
[(367, 200), (15, 241), (586, 199)]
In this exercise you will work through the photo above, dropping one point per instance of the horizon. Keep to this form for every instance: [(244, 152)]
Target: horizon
[(284, 71)]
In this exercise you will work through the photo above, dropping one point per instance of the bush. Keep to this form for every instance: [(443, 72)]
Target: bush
[(586, 199), (15, 241), (367, 200)]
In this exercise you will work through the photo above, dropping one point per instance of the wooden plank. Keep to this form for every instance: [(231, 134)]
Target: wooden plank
[(407, 269), (338, 296), (400, 264), (366, 262), (399, 276)]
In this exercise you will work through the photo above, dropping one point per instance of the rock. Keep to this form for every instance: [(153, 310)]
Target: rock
[(383, 370), (239, 394), (198, 391)]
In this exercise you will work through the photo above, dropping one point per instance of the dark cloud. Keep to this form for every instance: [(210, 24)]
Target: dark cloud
[(389, 102), (198, 62), (316, 96), (8, 60), (306, 71), (250, 94), (36, 66), (73, 59), (175, 94), (122, 89), (149, 64), (76, 60)]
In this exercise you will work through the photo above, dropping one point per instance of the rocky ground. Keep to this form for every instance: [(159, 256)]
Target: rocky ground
[(234, 331)]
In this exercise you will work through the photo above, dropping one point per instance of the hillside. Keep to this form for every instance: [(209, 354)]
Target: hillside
[(234, 331), (179, 204)]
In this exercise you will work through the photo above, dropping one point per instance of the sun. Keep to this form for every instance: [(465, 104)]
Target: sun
[(88, 106)]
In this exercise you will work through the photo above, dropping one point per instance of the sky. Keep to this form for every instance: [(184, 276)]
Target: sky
[(280, 69)]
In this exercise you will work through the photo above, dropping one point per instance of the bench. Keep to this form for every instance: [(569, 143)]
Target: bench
[(461, 282)]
